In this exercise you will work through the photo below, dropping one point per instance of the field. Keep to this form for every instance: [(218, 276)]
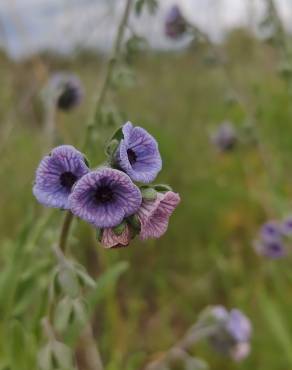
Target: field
[(207, 255)]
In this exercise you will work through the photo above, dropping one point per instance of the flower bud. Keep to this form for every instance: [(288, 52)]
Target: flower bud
[(148, 193)]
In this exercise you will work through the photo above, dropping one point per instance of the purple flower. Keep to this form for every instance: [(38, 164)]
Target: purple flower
[(138, 154), (232, 335), (154, 214), (111, 240), (225, 138), (271, 231), (66, 90), (239, 326), (286, 226), (175, 23), (105, 197), (273, 249), (56, 175)]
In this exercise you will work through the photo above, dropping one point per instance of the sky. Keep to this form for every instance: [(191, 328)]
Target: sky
[(28, 26)]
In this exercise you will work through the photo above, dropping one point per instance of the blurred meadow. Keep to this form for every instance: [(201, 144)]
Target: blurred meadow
[(207, 255)]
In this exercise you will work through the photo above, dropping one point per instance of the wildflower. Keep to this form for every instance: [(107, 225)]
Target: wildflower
[(66, 90), (225, 138), (175, 23), (154, 214), (105, 197), (56, 175), (233, 333), (286, 226), (273, 249), (138, 154), (270, 242), (271, 231)]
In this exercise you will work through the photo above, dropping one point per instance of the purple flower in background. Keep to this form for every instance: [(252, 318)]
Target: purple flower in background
[(225, 138), (66, 90), (271, 231), (154, 214), (270, 242), (273, 249), (111, 240), (138, 154), (56, 175), (175, 23), (286, 226), (105, 197), (239, 326), (232, 334)]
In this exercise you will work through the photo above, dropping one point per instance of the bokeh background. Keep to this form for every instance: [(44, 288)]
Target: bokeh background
[(179, 93)]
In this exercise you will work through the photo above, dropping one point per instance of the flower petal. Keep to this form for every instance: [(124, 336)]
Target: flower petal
[(110, 239), (154, 215), (144, 147), (48, 188), (125, 198)]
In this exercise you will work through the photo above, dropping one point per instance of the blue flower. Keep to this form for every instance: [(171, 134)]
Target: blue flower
[(105, 197), (56, 175), (175, 23), (138, 154)]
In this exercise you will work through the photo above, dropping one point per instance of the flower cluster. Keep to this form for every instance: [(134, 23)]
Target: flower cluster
[(272, 237), (175, 23), (232, 331), (107, 197)]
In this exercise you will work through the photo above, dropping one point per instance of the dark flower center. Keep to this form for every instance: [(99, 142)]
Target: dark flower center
[(132, 156), (68, 179), (68, 98), (103, 194)]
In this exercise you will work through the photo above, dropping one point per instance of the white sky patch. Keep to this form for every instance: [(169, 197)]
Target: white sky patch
[(28, 26)]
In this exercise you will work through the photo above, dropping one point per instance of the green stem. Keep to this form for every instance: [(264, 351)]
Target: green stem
[(109, 70), (65, 231)]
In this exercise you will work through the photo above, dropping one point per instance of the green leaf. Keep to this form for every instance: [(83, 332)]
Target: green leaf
[(118, 230), (112, 147), (68, 282), (135, 222), (162, 187), (278, 326), (104, 285), (62, 314)]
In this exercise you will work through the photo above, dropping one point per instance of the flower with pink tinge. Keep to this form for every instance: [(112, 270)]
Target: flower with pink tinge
[(111, 240), (154, 214), (240, 351)]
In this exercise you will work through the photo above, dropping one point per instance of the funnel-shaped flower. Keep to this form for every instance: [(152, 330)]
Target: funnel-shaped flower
[(105, 197), (56, 175), (138, 154), (154, 214)]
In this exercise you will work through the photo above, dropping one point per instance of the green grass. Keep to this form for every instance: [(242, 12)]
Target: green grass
[(206, 257)]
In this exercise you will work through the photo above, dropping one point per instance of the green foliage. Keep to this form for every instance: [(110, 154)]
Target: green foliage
[(205, 258)]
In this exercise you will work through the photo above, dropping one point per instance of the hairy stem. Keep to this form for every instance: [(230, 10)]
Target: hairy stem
[(109, 70), (65, 231), (195, 334), (91, 353)]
